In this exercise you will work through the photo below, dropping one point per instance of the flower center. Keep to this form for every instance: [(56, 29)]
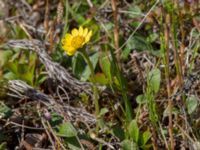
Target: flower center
[(77, 41)]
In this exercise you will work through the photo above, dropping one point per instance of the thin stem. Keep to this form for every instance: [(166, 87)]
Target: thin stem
[(123, 88), (116, 28), (95, 90), (165, 49)]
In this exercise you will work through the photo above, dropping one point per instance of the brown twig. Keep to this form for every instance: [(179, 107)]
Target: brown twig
[(153, 138), (46, 17), (116, 28)]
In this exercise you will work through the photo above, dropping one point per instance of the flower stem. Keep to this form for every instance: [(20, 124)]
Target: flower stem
[(95, 90)]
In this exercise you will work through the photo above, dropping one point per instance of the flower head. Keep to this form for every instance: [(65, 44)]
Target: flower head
[(75, 40)]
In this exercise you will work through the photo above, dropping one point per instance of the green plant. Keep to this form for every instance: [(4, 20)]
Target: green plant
[(153, 86), (21, 65)]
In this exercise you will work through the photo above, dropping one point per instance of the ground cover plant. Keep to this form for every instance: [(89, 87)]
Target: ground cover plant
[(98, 75)]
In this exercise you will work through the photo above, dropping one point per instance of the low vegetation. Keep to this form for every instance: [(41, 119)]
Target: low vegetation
[(91, 74)]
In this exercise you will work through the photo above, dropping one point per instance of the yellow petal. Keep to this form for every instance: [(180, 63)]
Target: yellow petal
[(80, 30), (63, 41), (74, 32), (68, 36), (87, 38), (85, 32), (66, 39), (71, 48), (70, 51), (64, 47)]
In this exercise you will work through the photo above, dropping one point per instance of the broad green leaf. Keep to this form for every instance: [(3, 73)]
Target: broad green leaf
[(191, 104), (80, 19), (10, 76), (28, 77), (67, 130), (56, 119), (137, 43), (134, 11), (134, 130), (152, 37), (22, 68), (154, 77), (3, 146), (87, 72), (118, 132), (135, 24), (145, 138), (40, 79), (105, 65), (4, 57), (108, 26), (72, 143), (125, 53), (78, 65), (103, 111), (12, 66), (101, 123), (101, 78), (5, 111), (140, 99), (129, 145)]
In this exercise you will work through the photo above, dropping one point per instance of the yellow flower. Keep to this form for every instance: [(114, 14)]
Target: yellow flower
[(75, 40)]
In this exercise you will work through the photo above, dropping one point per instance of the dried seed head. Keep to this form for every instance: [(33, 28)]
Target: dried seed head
[(59, 12)]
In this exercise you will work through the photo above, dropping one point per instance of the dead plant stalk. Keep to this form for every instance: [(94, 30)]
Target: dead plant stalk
[(116, 28), (166, 38)]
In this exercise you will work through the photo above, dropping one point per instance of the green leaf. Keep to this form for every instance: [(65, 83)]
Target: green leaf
[(103, 111), (105, 65), (129, 145), (72, 143), (56, 119), (154, 77), (108, 26), (191, 104), (79, 18), (118, 132), (125, 53), (10, 76), (137, 43), (3, 146), (86, 74), (145, 138), (5, 111), (12, 66), (134, 11), (78, 65), (4, 57), (134, 131), (140, 99), (40, 79), (101, 78), (67, 130), (152, 37)]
